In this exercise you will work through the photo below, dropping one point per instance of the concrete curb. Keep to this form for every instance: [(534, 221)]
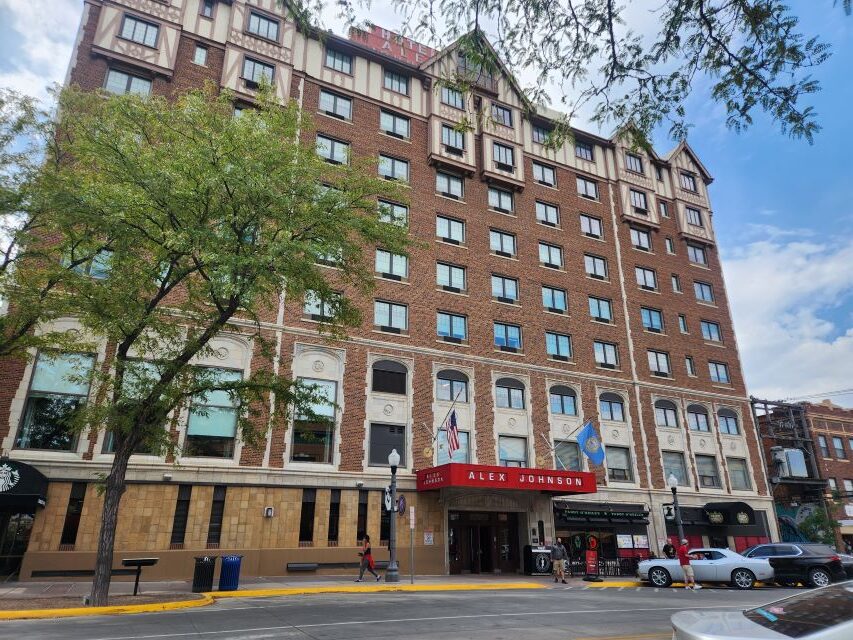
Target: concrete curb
[(34, 614), (372, 588)]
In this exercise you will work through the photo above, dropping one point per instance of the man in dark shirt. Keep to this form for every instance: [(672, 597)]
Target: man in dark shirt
[(558, 560)]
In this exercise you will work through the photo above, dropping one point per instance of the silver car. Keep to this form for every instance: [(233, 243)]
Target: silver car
[(715, 565), (821, 614)]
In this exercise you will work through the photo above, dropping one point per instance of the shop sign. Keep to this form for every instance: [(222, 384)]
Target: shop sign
[(491, 477), (715, 517), (9, 477), (641, 542), (591, 563), (594, 513), (624, 541)]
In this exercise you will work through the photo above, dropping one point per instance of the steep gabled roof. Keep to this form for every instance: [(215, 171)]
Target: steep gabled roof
[(683, 146)]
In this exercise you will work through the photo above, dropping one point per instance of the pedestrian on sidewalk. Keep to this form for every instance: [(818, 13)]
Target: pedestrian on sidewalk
[(366, 560), (558, 559), (686, 568), (669, 551)]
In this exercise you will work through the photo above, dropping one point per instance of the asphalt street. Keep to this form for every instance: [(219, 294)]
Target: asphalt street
[(566, 614)]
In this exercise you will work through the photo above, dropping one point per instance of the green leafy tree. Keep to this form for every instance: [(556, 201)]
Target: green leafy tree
[(189, 222), (819, 526)]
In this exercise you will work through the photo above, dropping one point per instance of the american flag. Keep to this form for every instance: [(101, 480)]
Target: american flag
[(452, 430)]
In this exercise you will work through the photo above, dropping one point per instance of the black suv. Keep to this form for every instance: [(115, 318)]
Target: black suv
[(815, 565)]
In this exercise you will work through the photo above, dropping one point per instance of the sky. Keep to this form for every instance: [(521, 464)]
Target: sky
[(783, 209)]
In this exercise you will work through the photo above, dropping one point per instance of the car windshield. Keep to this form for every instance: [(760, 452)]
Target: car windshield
[(808, 612)]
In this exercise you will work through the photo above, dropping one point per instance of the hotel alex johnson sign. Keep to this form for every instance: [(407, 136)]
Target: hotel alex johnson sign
[(515, 478)]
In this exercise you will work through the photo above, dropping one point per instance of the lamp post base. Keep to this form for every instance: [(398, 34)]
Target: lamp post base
[(392, 573)]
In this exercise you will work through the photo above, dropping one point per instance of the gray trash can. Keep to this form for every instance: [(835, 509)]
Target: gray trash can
[(229, 574), (203, 574)]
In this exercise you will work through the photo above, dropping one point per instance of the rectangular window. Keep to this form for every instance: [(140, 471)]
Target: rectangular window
[(361, 522), (448, 185), (706, 469), (600, 309), (595, 266), (550, 255), (665, 415), (502, 243), (543, 174), (200, 55), (451, 390), (512, 451), (554, 300), (652, 320), (255, 71), (634, 163), (394, 125), (832, 484), (663, 208), (452, 139), (567, 456), (451, 327), (207, 8), (696, 254), (824, 449), (587, 189), (728, 422), (59, 386), (659, 363), (688, 182), (540, 134), (690, 366), (461, 455), (501, 115), (618, 462), (676, 283), (646, 278), (306, 518), (611, 408), (335, 105), (694, 216), (563, 401), (217, 513), (120, 82), (711, 331), (697, 420), (558, 345), (450, 277), (450, 230), (501, 200), (703, 291), (848, 488), (507, 336), (583, 150), (181, 517), (383, 439), (606, 354), (505, 289), (72, 515), (392, 265), (547, 213), (503, 156), (332, 150), (673, 465), (719, 372), (139, 31), (393, 168), (738, 474), (212, 424), (263, 26), (838, 446), (682, 323), (670, 246), (396, 82), (390, 316), (591, 227), (394, 213), (452, 98), (641, 239), (339, 61), (334, 517), (318, 308), (639, 201)]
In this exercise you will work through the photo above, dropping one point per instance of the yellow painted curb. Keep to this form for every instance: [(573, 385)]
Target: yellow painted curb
[(369, 588), (32, 614)]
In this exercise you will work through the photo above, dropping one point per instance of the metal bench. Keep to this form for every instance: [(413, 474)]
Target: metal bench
[(302, 566)]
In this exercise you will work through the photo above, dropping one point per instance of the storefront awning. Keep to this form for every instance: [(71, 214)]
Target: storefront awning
[(600, 513), (515, 478), (23, 488), (729, 513)]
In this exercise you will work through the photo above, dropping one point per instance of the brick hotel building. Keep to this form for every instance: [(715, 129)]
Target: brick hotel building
[(550, 287)]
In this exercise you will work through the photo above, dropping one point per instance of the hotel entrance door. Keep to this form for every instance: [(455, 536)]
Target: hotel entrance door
[(483, 542)]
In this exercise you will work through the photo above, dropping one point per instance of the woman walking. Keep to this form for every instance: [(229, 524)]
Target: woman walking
[(366, 560)]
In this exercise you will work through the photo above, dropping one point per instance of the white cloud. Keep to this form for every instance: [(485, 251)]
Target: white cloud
[(781, 292)]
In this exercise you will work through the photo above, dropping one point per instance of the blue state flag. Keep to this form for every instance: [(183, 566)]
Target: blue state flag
[(590, 443)]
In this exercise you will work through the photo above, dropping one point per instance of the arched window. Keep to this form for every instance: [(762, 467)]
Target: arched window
[(611, 407), (666, 414), (389, 377), (728, 422), (452, 386), (509, 393), (697, 418), (563, 400)]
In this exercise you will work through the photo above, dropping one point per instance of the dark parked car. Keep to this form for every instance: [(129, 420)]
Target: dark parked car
[(815, 565)]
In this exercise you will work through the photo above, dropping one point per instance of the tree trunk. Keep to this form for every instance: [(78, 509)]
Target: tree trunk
[(115, 485)]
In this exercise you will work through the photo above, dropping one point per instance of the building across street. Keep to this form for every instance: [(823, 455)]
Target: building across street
[(551, 287)]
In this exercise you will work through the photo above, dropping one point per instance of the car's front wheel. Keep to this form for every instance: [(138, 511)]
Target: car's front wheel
[(659, 577), (819, 577), (743, 579)]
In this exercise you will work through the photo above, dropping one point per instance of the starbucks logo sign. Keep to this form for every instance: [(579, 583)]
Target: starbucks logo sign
[(9, 477)]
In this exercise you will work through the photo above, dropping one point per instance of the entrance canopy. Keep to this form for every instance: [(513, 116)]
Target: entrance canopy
[(729, 513), (22, 487), (482, 476)]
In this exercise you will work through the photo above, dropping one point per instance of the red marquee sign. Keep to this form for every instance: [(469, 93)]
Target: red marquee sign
[(392, 44), (488, 477)]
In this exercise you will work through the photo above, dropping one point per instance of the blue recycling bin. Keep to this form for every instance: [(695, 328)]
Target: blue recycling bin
[(229, 574)]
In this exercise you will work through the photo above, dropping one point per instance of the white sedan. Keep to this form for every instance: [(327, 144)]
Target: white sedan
[(714, 565)]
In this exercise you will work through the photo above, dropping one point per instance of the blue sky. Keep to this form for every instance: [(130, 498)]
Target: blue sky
[(783, 209)]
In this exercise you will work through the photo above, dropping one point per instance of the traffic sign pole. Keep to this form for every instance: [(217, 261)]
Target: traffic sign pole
[(412, 543)]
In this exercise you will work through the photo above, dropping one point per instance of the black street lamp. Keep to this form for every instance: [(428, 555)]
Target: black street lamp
[(392, 573), (672, 483)]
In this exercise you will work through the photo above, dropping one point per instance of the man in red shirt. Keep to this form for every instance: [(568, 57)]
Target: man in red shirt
[(684, 561)]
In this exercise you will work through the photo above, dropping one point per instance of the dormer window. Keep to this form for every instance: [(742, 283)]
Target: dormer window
[(540, 134), (396, 82), (583, 150), (452, 98), (688, 182), (262, 26), (634, 163)]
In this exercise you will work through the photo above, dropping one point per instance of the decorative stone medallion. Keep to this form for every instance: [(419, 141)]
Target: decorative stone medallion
[(388, 409), (318, 365)]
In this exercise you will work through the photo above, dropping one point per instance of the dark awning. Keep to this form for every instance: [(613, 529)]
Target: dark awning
[(23, 488), (593, 512), (729, 513)]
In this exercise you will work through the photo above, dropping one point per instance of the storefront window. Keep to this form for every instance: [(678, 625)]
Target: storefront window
[(512, 451), (567, 456), (673, 464)]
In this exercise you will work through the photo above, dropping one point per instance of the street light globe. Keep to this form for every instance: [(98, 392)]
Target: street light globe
[(394, 458), (672, 481)]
